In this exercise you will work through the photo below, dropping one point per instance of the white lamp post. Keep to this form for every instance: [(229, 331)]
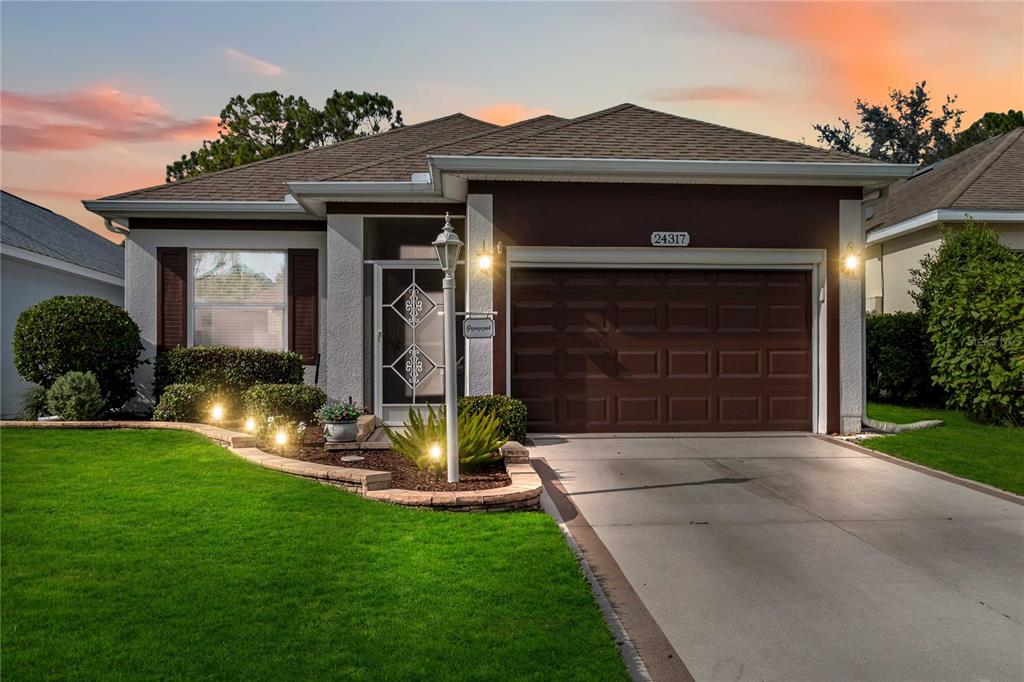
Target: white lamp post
[(448, 246)]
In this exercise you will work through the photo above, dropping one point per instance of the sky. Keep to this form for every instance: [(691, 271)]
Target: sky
[(98, 97)]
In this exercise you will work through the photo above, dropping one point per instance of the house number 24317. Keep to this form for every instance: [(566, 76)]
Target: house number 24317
[(670, 238)]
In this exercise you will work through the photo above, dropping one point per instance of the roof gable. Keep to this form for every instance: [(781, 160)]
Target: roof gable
[(31, 227), (986, 176)]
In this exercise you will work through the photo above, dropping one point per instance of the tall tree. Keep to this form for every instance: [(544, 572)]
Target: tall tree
[(904, 130), (991, 124), (268, 124)]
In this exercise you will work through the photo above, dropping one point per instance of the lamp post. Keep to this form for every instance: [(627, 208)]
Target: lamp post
[(448, 246)]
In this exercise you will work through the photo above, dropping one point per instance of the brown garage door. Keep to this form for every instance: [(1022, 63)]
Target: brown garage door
[(652, 350)]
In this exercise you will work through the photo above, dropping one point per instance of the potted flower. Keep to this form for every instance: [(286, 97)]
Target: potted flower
[(339, 420)]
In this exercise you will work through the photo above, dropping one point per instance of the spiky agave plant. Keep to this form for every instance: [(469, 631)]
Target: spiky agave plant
[(479, 438)]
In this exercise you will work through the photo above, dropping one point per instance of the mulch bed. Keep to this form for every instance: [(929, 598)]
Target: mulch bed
[(404, 473)]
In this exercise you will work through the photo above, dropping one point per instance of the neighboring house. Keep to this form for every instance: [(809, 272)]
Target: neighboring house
[(751, 326), (42, 255), (985, 182)]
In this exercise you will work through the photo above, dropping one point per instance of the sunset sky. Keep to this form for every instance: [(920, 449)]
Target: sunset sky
[(98, 98)]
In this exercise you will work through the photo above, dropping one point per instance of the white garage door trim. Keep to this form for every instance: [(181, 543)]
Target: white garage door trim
[(695, 259)]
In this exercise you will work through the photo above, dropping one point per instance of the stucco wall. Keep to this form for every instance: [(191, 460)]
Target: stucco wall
[(888, 264), (141, 279), (23, 285)]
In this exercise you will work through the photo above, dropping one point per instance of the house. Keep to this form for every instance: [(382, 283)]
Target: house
[(648, 273), (42, 255), (984, 182)]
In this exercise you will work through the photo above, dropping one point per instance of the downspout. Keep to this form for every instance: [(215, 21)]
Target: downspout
[(116, 229)]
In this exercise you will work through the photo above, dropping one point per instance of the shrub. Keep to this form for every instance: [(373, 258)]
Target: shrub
[(976, 324), (291, 402), (186, 403), (79, 334), (33, 403), (899, 356), (478, 439), (232, 369), (76, 396), (511, 413), (269, 430), (340, 412)]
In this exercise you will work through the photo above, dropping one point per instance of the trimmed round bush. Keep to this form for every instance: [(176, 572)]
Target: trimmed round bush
[(292, 402), (511, 413), (79, 334), (899, 357), (186, 403), (76, 396), (233, 370)]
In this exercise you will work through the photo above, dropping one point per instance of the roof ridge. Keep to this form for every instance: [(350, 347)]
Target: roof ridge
[(981, 166), (565, 124), (292, 154), (802, 145), (426, 148)]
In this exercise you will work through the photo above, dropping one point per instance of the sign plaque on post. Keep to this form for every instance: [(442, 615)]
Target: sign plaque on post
[(478, 327)]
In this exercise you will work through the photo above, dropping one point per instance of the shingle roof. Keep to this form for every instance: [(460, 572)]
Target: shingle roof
[(625, 132), (987, 176), (264, 180), (34, 228)]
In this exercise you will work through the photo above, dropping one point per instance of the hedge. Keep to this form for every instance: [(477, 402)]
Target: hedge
[(899, 356), (233, 370), (293, 402), (186, 403), (79, 334), (511, 413)]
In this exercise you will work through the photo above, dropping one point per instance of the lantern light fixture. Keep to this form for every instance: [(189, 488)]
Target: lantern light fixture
[(485, 257), (448, 246)]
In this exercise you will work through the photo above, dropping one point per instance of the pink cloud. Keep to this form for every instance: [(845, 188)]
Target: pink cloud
[(253, 64), (505, 113), (82, 119), (719, 93)]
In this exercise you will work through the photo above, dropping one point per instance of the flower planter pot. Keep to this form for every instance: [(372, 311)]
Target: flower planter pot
[(340, 432)]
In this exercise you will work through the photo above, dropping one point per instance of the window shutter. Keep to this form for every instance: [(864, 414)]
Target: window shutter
[(172, 298), (303, 314)]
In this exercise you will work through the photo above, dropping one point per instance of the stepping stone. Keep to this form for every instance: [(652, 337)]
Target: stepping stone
[(352, 458)]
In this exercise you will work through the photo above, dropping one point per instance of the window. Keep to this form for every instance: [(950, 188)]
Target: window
[(239, 299)]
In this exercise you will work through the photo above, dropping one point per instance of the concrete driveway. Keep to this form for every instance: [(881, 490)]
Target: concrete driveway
[(793, 557)]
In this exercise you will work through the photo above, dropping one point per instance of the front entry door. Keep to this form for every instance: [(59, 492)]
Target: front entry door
[(409, 354)]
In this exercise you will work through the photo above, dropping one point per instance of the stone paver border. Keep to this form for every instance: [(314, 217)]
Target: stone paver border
[(523, 493)]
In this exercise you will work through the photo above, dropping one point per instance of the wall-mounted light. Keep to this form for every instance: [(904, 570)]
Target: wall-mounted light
[(485, 258), (851, 261)]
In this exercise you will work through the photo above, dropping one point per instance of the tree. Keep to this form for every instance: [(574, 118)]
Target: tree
[(990, 125), (906, 130), (268, 124)]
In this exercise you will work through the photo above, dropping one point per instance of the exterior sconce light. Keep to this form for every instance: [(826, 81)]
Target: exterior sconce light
[(852, 259), (485, 258)]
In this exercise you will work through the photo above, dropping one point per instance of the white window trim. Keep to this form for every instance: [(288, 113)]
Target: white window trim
[(662, 258), (192, 305)]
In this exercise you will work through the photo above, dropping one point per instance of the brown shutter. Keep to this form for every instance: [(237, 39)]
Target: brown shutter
[(171, 298), (303, 316)]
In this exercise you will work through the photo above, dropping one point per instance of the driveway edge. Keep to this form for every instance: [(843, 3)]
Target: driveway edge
[(934, 473), (630, 621)]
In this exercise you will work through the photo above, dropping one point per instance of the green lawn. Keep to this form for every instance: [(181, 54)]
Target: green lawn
[(989, 454), (155, 554)]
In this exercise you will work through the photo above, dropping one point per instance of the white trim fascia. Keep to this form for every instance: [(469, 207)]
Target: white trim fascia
[(641, 256), (767, 172), (941, 215), (123, 209), (18, 253)]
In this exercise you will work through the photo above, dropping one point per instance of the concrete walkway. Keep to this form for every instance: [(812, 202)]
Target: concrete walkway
[(769, 558)]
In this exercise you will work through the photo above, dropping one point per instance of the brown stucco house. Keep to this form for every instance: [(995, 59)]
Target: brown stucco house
[(984, 183), (649, 273)]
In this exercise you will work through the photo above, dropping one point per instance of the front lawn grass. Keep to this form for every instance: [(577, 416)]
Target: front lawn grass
[(155, 554), (988, 454)]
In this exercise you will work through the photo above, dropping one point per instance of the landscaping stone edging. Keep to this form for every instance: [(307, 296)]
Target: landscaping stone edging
[(523, 493)]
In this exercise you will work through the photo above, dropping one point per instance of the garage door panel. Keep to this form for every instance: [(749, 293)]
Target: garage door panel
[(670, 350)]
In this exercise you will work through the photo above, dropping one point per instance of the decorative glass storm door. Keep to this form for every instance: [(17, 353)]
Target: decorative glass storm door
[(410, 339)]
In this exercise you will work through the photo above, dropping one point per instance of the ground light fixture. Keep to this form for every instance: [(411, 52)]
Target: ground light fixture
[(217, 412), (448, 246), (852, 259), (250, 425), (281, 438)]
